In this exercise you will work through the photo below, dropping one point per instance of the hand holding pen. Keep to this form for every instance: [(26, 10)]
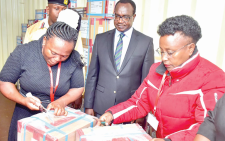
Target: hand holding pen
[(106, 119)]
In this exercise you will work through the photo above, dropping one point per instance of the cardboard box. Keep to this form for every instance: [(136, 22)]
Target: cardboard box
[(60, 128), (40, 14), (90, 27), (101, 8), (81, 10), (72, 4), (18, 40), (87, 50), (24, 27), (128, 132), (30, 22)]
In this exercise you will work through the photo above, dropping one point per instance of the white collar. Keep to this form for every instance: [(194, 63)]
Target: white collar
[(128, 33)]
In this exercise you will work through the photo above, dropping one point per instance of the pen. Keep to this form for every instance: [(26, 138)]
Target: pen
[(103, 123)]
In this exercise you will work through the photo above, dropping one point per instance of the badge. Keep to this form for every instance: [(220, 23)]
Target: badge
[(153, 121), (65, 2)]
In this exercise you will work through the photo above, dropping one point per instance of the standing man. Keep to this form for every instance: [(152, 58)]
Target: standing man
[(38, 29), (120, 61)]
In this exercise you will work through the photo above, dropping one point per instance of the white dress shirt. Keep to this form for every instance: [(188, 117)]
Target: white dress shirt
[(126, 41)]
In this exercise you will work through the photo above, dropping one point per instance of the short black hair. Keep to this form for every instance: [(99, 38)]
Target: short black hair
[(128, 1), (184, 24)]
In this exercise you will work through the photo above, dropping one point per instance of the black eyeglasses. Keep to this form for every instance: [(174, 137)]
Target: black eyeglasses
[(170, 54), (124, 18)]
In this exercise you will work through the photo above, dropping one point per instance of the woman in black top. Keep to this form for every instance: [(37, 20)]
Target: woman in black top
[(32, 63), (213, 127)]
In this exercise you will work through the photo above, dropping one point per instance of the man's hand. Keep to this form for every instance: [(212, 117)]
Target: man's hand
[(157, 139), (107, 118), (89, 112), (77, 104)]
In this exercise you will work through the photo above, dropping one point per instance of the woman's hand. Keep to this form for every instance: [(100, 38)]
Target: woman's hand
[(60, 104), (59, 108), (157, 139), (200, 137), (31, 102), (107, 118)]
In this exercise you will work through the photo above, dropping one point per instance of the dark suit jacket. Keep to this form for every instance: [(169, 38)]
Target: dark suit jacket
[(106, 87)]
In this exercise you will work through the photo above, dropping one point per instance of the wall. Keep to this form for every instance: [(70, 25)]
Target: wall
[(150, 13), (210, 15), (12, 14)]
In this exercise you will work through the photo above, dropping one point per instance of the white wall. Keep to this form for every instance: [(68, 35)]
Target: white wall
[(12, 14), (150, 13)]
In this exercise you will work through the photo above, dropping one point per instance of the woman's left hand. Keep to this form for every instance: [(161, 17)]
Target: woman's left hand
[(157, 139), (58, 107)]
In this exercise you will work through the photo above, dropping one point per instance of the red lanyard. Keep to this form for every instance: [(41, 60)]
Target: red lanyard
[(52, 94), (160, 91)]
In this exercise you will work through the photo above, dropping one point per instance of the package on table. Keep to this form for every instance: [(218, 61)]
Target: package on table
[(47, 127), (128, 132)]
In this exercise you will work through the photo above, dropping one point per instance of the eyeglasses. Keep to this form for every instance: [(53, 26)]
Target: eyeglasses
[(124, 18), (169, 54)]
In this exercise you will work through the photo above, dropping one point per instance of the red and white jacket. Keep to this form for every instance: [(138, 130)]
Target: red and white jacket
[(188, 92)]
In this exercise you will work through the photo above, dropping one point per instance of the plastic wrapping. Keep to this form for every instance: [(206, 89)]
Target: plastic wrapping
[(61, 128), (128, 132)]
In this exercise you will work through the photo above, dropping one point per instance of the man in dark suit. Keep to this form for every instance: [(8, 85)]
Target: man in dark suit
[(120, 61)]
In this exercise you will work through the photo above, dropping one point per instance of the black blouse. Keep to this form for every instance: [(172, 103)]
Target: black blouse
[(213, 126), (27, 64)]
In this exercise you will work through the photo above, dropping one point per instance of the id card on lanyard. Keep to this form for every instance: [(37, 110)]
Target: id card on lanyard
[(151, 117), (52, 93)]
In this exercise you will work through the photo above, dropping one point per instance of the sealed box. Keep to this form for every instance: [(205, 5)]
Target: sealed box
[(40, 14), (101, 8), (72, 4), (128, 132), (87, 50), (24, 27), (82, 11), (90, 27), (18, 40), (46, 127)]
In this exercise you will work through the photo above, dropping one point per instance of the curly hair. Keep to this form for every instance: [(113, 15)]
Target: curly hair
[(62, 31), (184, 24)]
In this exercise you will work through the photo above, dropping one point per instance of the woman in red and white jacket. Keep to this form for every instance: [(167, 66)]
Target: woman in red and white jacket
[(178, 91)]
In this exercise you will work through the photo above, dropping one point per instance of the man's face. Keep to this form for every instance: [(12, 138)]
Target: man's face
[(124, 10), (53, 11)]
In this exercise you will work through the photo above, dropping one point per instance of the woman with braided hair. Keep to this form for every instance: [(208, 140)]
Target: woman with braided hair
[(49, 68)]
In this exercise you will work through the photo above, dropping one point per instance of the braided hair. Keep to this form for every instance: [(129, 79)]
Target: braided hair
[(66, 33), (62, 31)]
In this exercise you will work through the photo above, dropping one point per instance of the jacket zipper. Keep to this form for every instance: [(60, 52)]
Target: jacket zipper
[(170, 80)]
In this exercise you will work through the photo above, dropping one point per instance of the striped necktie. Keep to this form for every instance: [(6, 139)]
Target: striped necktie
[(118, 52)]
